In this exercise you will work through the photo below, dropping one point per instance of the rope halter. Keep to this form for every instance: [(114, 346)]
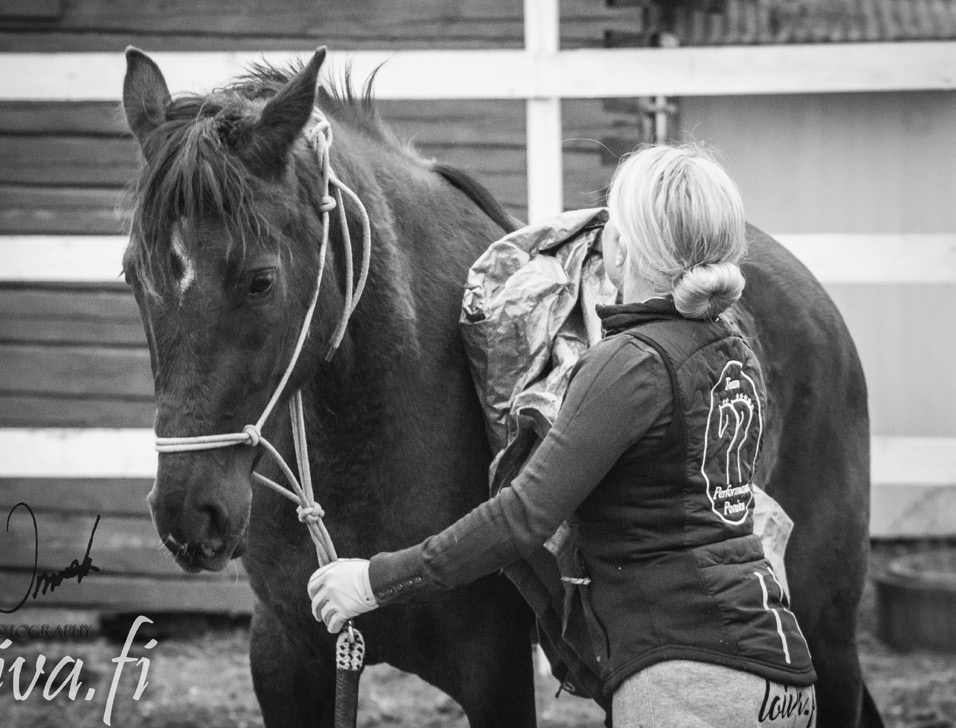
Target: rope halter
[(310, 513)]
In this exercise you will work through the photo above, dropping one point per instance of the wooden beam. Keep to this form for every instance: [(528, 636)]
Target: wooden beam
[(914, 487), (136, 594), (755, 69), (62, 257), (77, 453), (31, 9), (833, 258), (476, 74), (128, 453), (545, 175), (867, 258)]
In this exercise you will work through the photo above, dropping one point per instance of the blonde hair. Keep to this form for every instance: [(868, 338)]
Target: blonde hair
[(681, 221)]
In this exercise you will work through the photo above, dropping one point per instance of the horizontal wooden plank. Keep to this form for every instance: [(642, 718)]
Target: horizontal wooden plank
[(63, 257), (739, 70), (90, 118), (31, 10), (29, 159), (66, 315), (134, 594), (77, 453), (431, 126), (411, 23), (75, 370), (584, 73), (108, 411), (833, 258), (60, 210), (912, 512), (106, 496), (869, 258), (914, 479), (68, 330), (122, 545), (915, 461)]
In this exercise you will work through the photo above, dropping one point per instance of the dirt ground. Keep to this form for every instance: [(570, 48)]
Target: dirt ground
[(202, 679)]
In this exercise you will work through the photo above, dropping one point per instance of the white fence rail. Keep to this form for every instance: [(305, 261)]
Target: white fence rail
[(914, 478), (539, 71), (833, 258)]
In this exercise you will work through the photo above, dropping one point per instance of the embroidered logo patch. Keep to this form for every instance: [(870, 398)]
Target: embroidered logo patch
[(731, 443)]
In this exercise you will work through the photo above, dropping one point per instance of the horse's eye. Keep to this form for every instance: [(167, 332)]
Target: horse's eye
[(261, 282)]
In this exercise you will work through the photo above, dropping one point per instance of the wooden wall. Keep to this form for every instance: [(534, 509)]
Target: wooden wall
[(75, 355), (858, 163), (179, 25)]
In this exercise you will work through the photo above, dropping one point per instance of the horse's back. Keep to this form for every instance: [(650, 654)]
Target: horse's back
[(817, 392), (816, 457)]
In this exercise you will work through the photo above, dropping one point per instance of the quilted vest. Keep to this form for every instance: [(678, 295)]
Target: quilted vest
[(667, 536)]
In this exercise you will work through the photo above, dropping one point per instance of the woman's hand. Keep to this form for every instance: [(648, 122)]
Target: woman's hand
[(339, 591)]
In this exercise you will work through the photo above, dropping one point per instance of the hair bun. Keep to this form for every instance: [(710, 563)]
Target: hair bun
[(706, 291)]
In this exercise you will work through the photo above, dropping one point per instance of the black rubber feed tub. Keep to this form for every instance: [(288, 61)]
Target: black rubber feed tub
[(916, 601)]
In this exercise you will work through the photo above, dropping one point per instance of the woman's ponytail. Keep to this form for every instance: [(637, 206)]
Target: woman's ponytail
[(681, 221), (705, 291)]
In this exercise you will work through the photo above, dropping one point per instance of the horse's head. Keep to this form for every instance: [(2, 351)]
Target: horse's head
[(228, 185)]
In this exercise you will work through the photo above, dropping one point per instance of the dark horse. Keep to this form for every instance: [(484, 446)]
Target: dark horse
[(222, 260)]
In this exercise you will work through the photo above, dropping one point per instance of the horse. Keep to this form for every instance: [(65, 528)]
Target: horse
[(222, 260)]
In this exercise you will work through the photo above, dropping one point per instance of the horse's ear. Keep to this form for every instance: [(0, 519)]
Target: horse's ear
[(145, 94), (283, 117)]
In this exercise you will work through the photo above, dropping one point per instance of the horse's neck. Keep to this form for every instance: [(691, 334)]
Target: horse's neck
[(396, 408), (402, 339)]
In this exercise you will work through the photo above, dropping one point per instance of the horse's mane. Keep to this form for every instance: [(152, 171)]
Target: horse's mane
[(195, 173)]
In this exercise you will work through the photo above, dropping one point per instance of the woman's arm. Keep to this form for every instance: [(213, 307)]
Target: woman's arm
[(618, 391)]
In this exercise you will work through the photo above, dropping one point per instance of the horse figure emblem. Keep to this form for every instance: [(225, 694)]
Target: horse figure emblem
[(735, 426), (223, 260)]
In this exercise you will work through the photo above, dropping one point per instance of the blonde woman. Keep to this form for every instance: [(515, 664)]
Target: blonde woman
[(652, 458)]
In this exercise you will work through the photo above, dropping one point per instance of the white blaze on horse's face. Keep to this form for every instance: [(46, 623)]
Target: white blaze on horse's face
[(188, 266)]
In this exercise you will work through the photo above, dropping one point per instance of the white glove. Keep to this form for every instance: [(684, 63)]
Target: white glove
[(339, 591)]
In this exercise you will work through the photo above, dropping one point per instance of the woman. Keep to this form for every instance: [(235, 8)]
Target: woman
[(652, 459)]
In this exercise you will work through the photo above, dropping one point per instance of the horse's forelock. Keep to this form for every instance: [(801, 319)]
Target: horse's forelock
[(194, 175)]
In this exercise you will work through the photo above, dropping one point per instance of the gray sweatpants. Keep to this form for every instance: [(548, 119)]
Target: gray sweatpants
[(687, 694)]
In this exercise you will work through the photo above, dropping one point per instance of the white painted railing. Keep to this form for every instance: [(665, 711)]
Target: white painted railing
[(539, 71), (833, 258), (914, 478)]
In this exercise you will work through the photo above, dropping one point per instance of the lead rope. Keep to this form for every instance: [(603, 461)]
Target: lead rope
[(350, 646)]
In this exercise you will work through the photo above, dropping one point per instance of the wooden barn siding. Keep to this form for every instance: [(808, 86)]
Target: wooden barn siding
[(180, 25), (63, 172), (75, 355), (858, 163)]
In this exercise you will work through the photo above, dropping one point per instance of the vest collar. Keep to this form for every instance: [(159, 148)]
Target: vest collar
[(619, 317)]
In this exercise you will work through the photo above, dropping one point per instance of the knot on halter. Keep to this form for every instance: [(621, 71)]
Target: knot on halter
[(321, 133), (311, 513), (327, 204), (253, 434)]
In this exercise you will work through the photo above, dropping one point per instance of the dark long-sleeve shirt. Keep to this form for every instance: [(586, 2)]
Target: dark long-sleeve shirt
[(619, 398)]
